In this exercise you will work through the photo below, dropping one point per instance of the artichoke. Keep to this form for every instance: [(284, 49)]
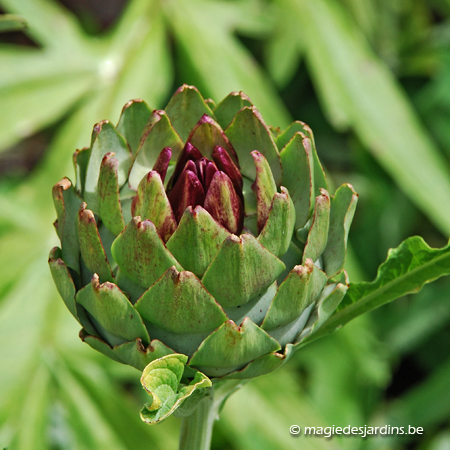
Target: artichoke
[(198, 241)]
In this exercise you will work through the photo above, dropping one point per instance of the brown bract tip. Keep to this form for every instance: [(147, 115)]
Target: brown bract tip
[(145, 225), (245, 96), (129, 103), (108, 156), (184, 87), (256, 113), (299, 270), (324, 192), (353, 189), (346, 278), (64, 184), (137, 222), (95, 281), (98, 126), (309, 264), (52, 255), (207, 119), (85, 215), (174, 275), (284, 192), (306, 141), (82, 334), (306, 127)]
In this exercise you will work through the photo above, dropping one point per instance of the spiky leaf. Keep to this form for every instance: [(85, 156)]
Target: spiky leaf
[(248, 132), (141, 254), (161, 379), (134, 117), (196, 240), (241, 270), (231, 347), (113, 315)]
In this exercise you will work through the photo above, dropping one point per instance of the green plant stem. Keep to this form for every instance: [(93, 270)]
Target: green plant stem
[(196, 429)]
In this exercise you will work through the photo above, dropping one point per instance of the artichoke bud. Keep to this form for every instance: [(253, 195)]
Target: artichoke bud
[(180, 247)]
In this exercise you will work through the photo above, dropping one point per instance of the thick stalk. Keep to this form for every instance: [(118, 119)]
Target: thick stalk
[(196, 429)]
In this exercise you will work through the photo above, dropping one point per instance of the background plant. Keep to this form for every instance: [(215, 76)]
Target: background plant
[(370, 78)]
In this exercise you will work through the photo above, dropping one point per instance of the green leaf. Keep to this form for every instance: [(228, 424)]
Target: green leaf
[(179, 311), (406, 270), (134, 117), (248, 132), (185, 109), (318, 232), (66, 288), (133, 353), (295, 303), (298, 176), (141, 254), (261, 366), (358, 91), (320, 181), (231, 347), (264, 188), (295, 294), (343, 207), (109, 207), (196, 240), (158, 134), (91, 246), (330, 299), (106, 139), (137, 355), (119, 321), (67, 204), (151, 203), (229, 107), (81, 161), (241, 270), (162, 381), (63, 280), (277, 232), (100, 345)]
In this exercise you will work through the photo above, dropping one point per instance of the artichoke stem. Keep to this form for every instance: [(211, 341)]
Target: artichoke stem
[(196, 429)]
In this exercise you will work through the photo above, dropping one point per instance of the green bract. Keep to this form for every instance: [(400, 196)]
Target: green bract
[(198, 242)]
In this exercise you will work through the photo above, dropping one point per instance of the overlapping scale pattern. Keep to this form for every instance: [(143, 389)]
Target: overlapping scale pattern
[(196, 231)]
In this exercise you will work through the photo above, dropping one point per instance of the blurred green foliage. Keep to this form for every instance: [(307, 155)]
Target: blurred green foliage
[(371, 77)]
